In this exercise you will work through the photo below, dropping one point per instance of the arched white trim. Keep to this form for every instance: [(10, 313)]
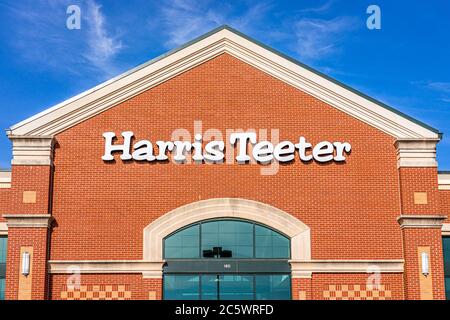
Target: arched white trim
[(297, 231)]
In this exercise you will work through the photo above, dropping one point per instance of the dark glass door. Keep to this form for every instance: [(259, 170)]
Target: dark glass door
[(446, 250), (227, 259), (3, 248), (227, 287)]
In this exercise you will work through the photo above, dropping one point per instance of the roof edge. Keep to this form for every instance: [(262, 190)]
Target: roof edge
[(197, 39), (114, 79), (329, 78)]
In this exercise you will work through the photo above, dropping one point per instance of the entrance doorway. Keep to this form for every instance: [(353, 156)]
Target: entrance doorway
[(227, 259), (227, 287)]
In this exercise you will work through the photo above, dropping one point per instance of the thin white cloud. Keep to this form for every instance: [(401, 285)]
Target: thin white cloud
[(184, 20), (102, 46), (320, 9), (41, 39), (438, 86), (319, 38), (249, 20), (443, 87)]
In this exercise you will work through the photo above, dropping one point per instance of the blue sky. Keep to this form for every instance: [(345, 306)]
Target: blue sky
[(405, 64)]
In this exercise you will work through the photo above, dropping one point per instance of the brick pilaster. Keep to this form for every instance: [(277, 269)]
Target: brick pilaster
[(29, 220), (301, 288), (421, 224)]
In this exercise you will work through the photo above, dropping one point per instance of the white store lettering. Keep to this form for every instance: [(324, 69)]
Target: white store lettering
[(263, 152)]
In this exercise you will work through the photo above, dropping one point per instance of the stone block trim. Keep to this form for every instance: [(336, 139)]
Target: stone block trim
[(357, 292), (96, 292)]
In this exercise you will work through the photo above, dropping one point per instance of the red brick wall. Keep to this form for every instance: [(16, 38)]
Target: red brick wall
[(414, 238), (321, 282), (419, 180), (29, 237), (30, 178), (303, 285), (101, 208), (444, 202), (5, 201), (139, 287)]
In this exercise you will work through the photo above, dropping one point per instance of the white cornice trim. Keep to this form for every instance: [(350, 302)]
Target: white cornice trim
[(119, 89), (444, 181), (421, 221), (3, 229), (5, 179), (446, 229), (154, 269), (35, 151), (28, 220), (416, 153), (302, 269), (149, 269)]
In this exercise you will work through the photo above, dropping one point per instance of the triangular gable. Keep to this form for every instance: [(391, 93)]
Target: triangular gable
[(222, 40)]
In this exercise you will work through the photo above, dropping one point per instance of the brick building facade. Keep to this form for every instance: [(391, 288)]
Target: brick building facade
[(368, 226)]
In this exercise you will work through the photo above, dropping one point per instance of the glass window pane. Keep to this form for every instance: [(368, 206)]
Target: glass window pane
[(270, 244), (3, 249), (183, 244), (446, 250), (181, 287), (236, 287), (245, 241), (447, 287), (2, 289), (209, 284), (236, 236), (273, 287)]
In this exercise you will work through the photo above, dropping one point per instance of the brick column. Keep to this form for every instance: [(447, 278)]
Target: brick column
[(302, 288), (154, 287), (29, 217), (27, 233), (420, 220)]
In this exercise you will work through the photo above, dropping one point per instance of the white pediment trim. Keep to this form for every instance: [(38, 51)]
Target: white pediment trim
[(223, 40)]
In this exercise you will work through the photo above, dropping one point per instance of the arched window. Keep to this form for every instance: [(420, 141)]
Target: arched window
[(232, 239), (254, 262)]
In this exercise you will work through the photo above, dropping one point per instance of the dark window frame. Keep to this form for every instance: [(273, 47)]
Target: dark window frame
[(253, 275), (253, 223), (3, 264), (446, 270)]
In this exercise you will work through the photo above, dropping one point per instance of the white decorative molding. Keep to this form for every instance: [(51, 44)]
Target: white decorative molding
[(28, 220), (304, 269), (444, 181), (5, 179), (150, 269), (224, 40), (446, 229), (421, 221), (416, 153), (3, 229), (154, 269), (32, 150), (297, 231)]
